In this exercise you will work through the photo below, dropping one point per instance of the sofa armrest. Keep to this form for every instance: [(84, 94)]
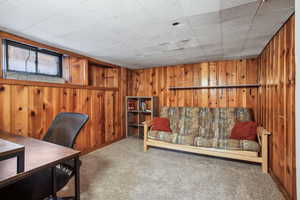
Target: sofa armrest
[(262, 133), (147, 125), (263, 136)]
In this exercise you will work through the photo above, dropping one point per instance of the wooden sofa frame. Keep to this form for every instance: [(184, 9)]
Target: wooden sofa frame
[(256, 157)]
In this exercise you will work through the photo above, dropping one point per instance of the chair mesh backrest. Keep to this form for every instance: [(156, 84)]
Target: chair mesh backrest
[(65, 128)]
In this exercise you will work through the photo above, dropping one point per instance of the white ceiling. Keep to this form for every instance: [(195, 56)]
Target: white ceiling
[(139, 33)]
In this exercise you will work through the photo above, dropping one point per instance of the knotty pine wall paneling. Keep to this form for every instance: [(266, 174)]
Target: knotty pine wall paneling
[(103, 76), (277, 105), (29, 111), (155, 82), (79, 71), (28, 108)]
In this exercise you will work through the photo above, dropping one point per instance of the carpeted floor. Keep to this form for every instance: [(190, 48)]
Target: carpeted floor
[(123, 171)]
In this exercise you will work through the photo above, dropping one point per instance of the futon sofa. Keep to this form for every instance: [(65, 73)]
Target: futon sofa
[(207, 131)]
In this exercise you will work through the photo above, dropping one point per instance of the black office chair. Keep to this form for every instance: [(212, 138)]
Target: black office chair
[(63, 131)]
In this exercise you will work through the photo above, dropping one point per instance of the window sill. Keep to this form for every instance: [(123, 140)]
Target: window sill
[(56, 85), (33, 77)]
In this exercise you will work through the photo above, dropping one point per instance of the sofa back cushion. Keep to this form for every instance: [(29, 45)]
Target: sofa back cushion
[(213, 124), (183, 120)]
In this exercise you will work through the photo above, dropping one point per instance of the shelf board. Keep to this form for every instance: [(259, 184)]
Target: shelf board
[(135, 125), (146, 112), (139, 97), (216, 87), (133, 111), (139, 111), (55, 85)]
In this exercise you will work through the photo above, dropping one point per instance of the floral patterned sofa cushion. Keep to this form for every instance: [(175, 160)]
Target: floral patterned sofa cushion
[(204, 127), (229, 144), (183, 120), (174, 138)]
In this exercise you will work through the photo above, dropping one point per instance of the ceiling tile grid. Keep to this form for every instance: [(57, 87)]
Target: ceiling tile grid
[(142, 33)]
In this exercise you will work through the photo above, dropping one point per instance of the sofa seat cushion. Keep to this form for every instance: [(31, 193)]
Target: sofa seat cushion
[(162, 136), (174, 138), (229, 144)]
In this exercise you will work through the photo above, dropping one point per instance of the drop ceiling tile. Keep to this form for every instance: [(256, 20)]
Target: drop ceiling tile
[(18, 17), (124, 12), (196, 7), (251, 52), (267, 23), (157, 9), (276, 5), (255, 44), (234, 3), (238, 24), (237, 42), (214, 57), (205, 19), (272, 17), (243, 11), (115, 7), (194, 52), (139, 33), (160, 33), (232, 51), (67, 23), (207, 31)]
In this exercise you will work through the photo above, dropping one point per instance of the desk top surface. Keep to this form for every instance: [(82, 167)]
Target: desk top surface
[(38, 155), (7, 147)]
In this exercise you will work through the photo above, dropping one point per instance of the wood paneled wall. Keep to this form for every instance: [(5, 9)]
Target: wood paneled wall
[(78, 71), (103, 77), (92, 87), (155, 81), (29, 110), (277, 105)]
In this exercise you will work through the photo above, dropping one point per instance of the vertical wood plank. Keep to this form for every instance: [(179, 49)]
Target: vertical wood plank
[(213, 103), (204, 82), (5, 108), (36, 108), (19, 101)]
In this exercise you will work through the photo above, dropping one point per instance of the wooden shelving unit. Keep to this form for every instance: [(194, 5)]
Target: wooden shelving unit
[(136, 115), (215, 87)]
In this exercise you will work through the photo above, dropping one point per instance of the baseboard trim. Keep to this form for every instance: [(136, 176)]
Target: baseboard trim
[(280, 186)]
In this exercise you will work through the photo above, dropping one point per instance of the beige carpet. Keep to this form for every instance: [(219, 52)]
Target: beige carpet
[(123, 171)]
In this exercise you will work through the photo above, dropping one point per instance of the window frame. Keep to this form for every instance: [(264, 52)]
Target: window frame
[(37, 50)]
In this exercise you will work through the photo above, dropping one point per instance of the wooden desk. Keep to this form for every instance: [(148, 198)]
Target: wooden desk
[(10, 150), (38, 155)]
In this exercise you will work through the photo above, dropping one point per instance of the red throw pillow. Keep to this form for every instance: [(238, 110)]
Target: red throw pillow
[(161, 124), (244, 131)]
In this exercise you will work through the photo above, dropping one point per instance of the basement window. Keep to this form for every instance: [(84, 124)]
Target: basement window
[(22, 58)]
